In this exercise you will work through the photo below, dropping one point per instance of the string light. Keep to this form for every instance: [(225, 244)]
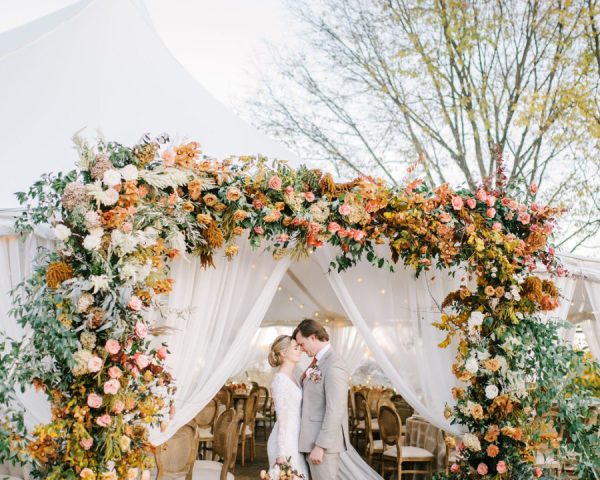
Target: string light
[(291, 299), (383, 291), (316, 314), (359, 279), (279, 289)]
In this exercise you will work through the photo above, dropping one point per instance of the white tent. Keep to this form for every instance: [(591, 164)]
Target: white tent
[(99, 64)]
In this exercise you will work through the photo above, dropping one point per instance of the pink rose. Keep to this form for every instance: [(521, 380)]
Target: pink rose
[(343, 233), (537, 472), (445, 217), (275, 182), (521, 208), (491, 212), (358, 235), (86, 443), (282, 237), (94, 400), (289, 190), (141, 360), (94, 364), (309, 196), (551, 250), (533, 188), (505, 202), (481, 195), (141, 330), (104, 420), (162, 353), (471, 203), (333, 227), (455, 468), (259, 230), (135, 303), (111, 387), (524, 218), (114, 372), (534, 207), (497, 226), (118, 407), (112, 346), (457, 202), (344, 209), (482, 469), (561, 272), (501, 467), (491, 201)]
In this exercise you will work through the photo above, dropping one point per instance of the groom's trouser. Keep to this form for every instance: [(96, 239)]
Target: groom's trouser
[(327, 469)]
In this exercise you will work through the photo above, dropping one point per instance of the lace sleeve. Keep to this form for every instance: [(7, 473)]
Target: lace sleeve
[(281, 399)]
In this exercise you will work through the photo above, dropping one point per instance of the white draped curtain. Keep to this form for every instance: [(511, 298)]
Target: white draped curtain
[(591, 327), (349, 344), (17, 263), (214, 314), (393, 311)]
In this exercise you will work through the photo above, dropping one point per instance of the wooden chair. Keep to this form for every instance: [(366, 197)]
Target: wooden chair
[(373, 398), (247, 429), (360, 403), (262, 414), (402, 408), (374, 446), (205, 420), (390, 428), (224, 447), (175, 458), (224, 397), (351, 411)]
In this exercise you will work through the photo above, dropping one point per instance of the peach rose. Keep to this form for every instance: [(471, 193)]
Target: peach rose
[(537, 472), (533, 188), (490, 201), (333, 227), (491, 212), (275, 182), (445, 217), (492, 451), (94, 364), (87, 473), (111, 387), (141, 330), (94, 400), (481, 195), (309, 196), (168, 158), (114, 372), (259, 230), (455, 468), (289, 190), (86, 443), (482, 469), (141, 360), (112, 346), (118, 407), (457, 203), (476, 411), (501, 467), (135, 303), (104, 420), (497, 226), (524, 218), (233, 194), (471, 203), (162, 353), (345, 209)]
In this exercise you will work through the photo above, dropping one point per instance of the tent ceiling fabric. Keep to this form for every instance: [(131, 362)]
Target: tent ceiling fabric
[(101, 65)]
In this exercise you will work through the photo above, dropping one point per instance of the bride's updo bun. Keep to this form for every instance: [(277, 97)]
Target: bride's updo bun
[(278, 349)]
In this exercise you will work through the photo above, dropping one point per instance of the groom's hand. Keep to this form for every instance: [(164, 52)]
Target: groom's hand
[(316, 456)]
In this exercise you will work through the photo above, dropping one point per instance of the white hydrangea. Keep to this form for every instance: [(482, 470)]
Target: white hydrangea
[(108, 197), (129, 173), (81, 357), (472, 365), (111, 178), (471, 442), (62, 232), (135, 272), (99, 282), (491, 392), (93, 240)]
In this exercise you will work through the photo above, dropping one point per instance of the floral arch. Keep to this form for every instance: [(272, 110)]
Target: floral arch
[(125, 212)]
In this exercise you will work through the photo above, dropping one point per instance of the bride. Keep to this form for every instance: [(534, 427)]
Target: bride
[(287, 396)]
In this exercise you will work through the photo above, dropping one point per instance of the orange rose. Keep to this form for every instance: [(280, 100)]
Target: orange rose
[(492, 433), (476, 411), (492, 451)]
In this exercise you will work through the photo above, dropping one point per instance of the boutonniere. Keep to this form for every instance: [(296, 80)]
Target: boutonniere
[(314, 374)]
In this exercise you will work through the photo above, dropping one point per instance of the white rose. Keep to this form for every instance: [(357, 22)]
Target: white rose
[(109, 197), (92, 219), (129, 172), (476, 319), (471, 365), (111, 178), (62, 232), (491, 392), (92, 242)]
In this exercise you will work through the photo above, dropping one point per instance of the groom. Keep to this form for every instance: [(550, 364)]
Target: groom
[(324, 425)]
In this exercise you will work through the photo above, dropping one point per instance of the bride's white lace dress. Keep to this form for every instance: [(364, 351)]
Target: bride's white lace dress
[(283, 441)]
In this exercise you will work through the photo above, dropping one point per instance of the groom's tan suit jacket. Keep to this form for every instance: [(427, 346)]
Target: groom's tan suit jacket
[(325, 407)]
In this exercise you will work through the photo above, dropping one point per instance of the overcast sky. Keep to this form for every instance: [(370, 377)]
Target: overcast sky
[(220, 42)]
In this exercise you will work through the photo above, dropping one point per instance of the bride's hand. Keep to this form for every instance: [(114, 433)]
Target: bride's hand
[(281, 461)]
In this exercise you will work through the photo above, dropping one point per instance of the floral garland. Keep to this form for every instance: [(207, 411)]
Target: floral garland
[(126, 212)]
